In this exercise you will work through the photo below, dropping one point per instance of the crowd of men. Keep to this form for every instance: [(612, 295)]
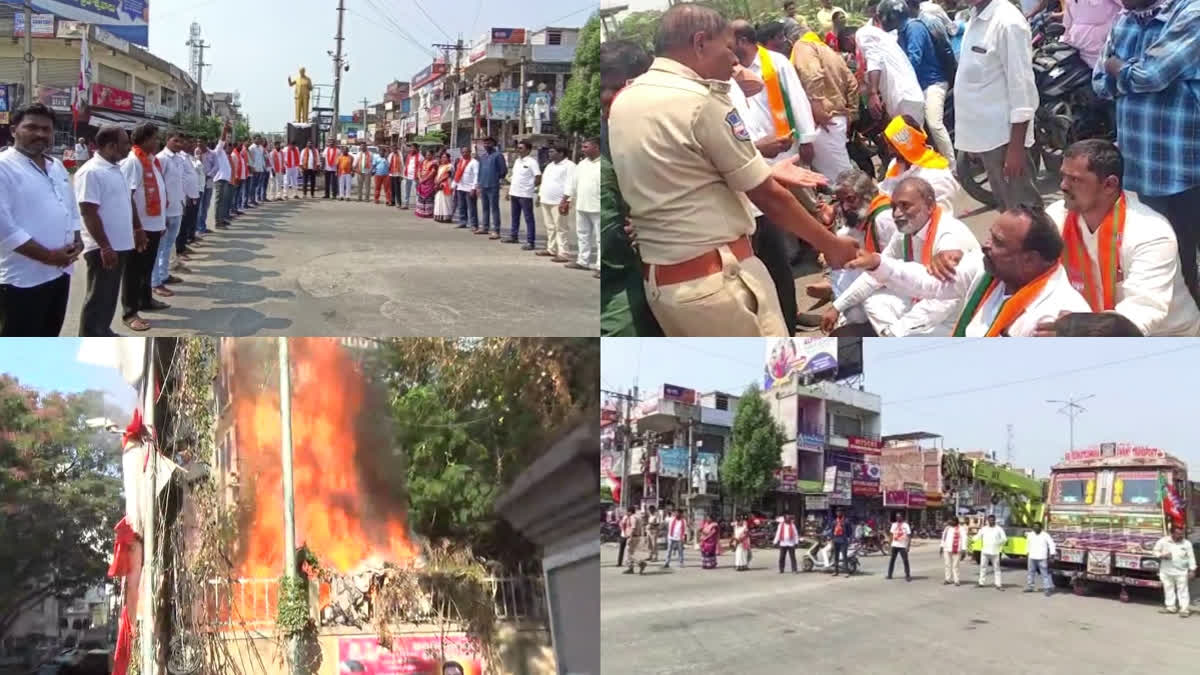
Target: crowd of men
[(705, 188), (140, 201)]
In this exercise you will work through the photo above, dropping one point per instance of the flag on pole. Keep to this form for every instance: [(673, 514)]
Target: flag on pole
[(83, 88), (1170, 499)]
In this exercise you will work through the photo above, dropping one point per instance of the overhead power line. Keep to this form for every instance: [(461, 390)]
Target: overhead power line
[(435, 24)]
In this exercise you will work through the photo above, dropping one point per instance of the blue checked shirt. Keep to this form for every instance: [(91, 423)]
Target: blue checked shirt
[(1158, 96)]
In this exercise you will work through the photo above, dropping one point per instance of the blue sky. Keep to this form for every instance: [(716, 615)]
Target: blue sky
[(256, 44), (1143, 390), (50, 364)]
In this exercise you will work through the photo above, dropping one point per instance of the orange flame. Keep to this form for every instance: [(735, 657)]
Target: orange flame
[(334, 515)]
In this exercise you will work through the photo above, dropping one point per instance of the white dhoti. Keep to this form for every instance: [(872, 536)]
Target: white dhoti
[(345, 183), (883, 308), (829, 149), (293, 179), (840, 280), (741, 556)]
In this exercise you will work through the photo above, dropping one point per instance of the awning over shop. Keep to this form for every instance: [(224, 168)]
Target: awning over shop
[(127, 122)]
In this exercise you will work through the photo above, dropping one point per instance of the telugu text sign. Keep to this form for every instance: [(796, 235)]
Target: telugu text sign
[(127, 19)]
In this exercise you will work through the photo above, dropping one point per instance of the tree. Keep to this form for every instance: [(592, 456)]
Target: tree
[(61, 497), (471, 414), (579, 110), (752, 458)]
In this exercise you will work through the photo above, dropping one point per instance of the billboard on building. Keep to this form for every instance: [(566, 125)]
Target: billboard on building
[(672, 462), (785, 479), (42, 25), (111, 98), (706, 472), (127, 19), (675, 393), (799, 357), (503, 104), (396, 91), (428, 74), (408, 655), (866, 477), (508, 36), (867, 446)]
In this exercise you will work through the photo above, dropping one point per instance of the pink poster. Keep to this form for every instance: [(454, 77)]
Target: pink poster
[(410, 655)]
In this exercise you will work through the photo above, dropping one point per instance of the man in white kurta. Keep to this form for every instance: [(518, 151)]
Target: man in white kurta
[(1009, 287), (758, 108), (1149, 289), (891, 81), (865, 215), (924, 230)]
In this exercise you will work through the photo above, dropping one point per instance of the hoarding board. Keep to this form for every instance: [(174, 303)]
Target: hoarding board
[(126, 19), (796, 357)]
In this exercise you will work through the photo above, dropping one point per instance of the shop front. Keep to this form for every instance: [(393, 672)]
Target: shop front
[(910, 500)]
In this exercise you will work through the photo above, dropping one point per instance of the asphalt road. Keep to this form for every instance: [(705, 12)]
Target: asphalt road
[(698, 621), (318, 267)]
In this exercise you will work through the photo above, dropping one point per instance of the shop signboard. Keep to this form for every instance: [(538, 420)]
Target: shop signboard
[(830, 479), (842, 488), (795, 357), (785, 479), (42, 24), (428, 74), (807, 441), (158, 111), (916, 499), (672, 462), (816, 503), (504, 104), (895, 498), (409, 655), (675, 393), (478, 50), (127, 19), (111, 98), (139, 104), (866, 446), (57, 98), (866, 478), (508, 36), (70, 30)]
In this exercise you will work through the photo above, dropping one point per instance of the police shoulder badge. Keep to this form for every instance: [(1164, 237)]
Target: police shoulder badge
[(734, 120)]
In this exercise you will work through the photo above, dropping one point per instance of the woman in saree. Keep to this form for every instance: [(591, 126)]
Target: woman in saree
[(741, 545), (710, 535), (443, 210), (426, 186)]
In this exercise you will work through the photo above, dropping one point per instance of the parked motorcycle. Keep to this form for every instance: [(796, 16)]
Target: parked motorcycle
[(810, 560)]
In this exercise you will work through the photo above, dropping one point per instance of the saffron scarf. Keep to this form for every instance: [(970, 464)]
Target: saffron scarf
[(1100, 293), (930, 235), (394, 162), (235, 167), (245, 164), (878, 205), (293, 157), (277, 161), (777, 96), (462, 167), (1009, 311), (309, 155), (364, 161), (331, 155), (150, 181)]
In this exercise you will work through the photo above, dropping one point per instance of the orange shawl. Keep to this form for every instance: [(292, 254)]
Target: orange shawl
[(1012, 308), (293, 157), (1100, 293), (150, 181)]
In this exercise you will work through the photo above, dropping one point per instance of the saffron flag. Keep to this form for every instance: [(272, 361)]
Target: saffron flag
[(1170, 500)]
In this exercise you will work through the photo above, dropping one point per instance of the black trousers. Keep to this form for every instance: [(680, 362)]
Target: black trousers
[(1181, 210), (37, 311), (135, 288), (771, 247), (903, 553), (331, 184), (840, 553), (187, 227), (789, 551), (621, 551), (310, 182), (394, 196), (103, 289)]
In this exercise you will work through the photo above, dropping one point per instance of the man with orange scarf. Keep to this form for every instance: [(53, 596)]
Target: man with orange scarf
[(1120, 254), (310, 161), (395, 161), (331, 157), (291, 164), (922, 231), (1012, 285), (914, 158), (143, 173)]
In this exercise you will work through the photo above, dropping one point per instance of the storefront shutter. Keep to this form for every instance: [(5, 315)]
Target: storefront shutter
[(112, 77), (12, 69), (62, 73)]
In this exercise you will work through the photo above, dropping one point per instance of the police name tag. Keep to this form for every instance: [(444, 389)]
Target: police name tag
[(734, 120)]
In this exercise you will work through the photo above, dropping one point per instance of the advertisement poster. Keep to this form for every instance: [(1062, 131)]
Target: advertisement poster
[(785, 479), (797, 357), (57, 98), (705, 472), (810, 441), (413, 655), (867, 446), (674, 393), (842, 488), (127, 19), (895, 498), (830, 479), (43, 26), (672, 462), (508, 36), (866, 479), (504, 104), (104, 96)]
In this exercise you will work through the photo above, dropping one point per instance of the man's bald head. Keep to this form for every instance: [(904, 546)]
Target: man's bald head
[(679, 25)]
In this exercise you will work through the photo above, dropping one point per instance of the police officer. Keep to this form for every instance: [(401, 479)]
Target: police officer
[(684, 158)]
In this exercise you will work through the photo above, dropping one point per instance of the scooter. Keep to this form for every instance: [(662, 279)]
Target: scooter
[(823, 562)]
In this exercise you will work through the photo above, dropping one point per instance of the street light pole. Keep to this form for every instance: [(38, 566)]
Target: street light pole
[(289, 498), (1071, 409)]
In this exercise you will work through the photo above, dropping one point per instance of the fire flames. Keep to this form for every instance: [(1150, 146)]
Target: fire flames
[(335, 516)]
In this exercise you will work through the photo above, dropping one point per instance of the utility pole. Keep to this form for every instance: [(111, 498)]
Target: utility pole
[(521, 101), (28, 97), (200, 79), (362, 138), (337, 70), (289, 497), (150, 535), (455, 80), (1071, 409), (1008, 445)]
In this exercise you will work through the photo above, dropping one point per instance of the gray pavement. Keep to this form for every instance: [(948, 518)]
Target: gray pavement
[(698, 621), (328, 268)]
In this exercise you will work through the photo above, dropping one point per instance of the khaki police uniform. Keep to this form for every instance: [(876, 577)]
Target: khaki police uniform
[(685, 159)]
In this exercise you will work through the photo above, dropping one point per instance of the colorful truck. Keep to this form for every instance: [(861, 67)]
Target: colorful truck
[(1106, 510)]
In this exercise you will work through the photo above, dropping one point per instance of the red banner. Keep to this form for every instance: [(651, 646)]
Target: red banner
[(410, 655), (111, 98), (895, 498), (867, 446)]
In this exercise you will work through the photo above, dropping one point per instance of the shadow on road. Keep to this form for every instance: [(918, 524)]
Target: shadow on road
[(231, 322)]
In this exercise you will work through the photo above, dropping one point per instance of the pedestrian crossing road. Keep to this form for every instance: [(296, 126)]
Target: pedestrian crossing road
[(320, 267), (698, 621)]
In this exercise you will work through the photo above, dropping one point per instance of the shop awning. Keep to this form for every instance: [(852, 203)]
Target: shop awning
[(127, 122)]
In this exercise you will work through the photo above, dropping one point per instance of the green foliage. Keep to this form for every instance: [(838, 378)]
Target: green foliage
[(471, 414), (579, 111), (748, 470), (60, 496), (293, 606), (606, 493)]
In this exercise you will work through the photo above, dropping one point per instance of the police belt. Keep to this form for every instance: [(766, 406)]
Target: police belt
[(699, 267)]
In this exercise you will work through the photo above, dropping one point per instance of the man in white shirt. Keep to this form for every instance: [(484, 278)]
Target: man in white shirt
[(193, 187), (1097, 219), (786, 538), (258, 168), (1017, 271), (991, 540), (81, 151), (923, 231), (362, 170), (412, 165), (144, 175), (521, 193), (223, 178), (279, 172), (583, 194), (39, 229), (891, 83), (174, 169), (107, 214), (330, 157), (310, 163), (468, 191), (953, 550), (395, 161), (1177, 566), (995, 98), (676, 536), (555, 207), (901, 534), (291, 164), (1039, 550)]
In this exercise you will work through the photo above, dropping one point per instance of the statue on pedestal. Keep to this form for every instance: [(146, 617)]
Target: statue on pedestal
[(303, 87)]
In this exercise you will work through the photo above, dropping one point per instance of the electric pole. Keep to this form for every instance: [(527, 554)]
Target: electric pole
[(454, 80), (28, 97), (1071, 409), (363, 138), (1008, 445), (289, 497), (337, 70), (200, 47)]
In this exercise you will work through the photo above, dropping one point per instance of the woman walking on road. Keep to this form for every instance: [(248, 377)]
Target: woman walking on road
[(710, 534)]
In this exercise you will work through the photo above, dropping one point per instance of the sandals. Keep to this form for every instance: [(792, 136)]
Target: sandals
[(137, 324)]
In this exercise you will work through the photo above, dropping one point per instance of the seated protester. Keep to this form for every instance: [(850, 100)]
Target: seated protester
[(1008, 288), (1119, 253), (913, 158), (923, 231), (1103, 324)]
